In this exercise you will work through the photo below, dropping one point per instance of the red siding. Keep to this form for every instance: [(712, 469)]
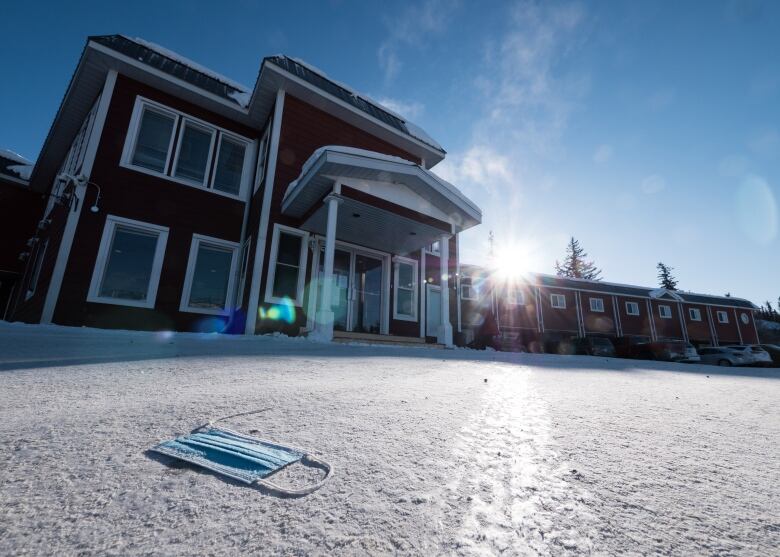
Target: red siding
[(559, 320), (517, 316), (596, 321), (667, 328), (698, 331), (126, 193)]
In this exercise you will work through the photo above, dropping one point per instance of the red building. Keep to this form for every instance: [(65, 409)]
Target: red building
[(544, 308), (177, 199)]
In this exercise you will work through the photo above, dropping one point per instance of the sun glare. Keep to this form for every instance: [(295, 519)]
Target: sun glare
[(512, 262)]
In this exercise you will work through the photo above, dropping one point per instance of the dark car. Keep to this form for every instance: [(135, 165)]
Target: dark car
[(665, 351), (774, 352), (625, 346), (594, 346)]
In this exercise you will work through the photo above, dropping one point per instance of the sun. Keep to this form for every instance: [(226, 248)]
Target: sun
[(511, 262)]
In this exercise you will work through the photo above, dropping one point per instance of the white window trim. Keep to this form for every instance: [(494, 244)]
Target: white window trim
[(724, 314), (694, 314), (262, 158), (397, 261), (630, 305), (469, 287), (597, 309), (243, 268), (132, 137), (554, 297), (197, 240), (518, 299), (661, 313), (104, 252), (269, 285), (184, 120)]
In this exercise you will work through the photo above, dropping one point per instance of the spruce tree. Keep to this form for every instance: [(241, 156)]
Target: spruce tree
[(665, 277), (575, 265)]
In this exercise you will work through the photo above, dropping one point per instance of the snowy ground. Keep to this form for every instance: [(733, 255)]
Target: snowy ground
[(552, 455)]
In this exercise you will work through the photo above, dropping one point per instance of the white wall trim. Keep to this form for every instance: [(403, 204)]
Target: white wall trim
[(106, 241), (653, 332), (197, 240), (74, 212), (265, 211)]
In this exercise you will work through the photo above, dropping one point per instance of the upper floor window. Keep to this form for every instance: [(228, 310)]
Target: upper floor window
[(558, 301), (166, 142), (597, 304), (467, 289), (435, 248), (723, 317), (632, 308), (694, 314), (515, 296), (665, 312)]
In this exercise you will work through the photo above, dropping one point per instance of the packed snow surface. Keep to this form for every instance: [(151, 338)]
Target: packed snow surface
[(435, 451)]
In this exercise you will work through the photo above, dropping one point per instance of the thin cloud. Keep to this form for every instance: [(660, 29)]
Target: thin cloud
[(653, 184), (411, 28), (603, 154)]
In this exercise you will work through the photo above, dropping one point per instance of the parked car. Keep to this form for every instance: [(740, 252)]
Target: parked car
[(593, 346), (754, 355), (774, 352), (665, 351), (625, 346), (722, 356)]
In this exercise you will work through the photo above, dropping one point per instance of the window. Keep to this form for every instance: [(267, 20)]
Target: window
[(129, 262), (153, 140), (210, 274), (435, 248), (242, 271), (405, 279), (665, 312), (194, 153), (262, 158), (723, 317), (632, 308), (558, 301), (694, 314), (597, 304), (467, 289), (516, 297), (287, 266), (36, 273)]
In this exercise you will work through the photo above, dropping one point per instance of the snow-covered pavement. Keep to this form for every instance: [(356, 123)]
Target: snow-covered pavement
[(436, 452)]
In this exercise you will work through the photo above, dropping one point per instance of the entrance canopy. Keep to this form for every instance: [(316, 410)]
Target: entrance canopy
[(387, 203)]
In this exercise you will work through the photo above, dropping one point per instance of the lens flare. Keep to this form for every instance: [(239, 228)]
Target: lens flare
[(284, 311), (757, 210), (210, 325)]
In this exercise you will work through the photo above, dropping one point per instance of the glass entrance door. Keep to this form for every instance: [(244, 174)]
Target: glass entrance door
[(367, 294), (357, 295)]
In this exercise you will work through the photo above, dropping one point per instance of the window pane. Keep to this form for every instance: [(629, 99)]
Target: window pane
[(210, 280), (193, 153), (230, 163), (129, 266), (404, 302), (154, 136), (285, 282), (289, 249), (405, 276)]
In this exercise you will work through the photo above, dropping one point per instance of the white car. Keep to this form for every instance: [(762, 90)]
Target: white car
[(722, 356), (754, 355)]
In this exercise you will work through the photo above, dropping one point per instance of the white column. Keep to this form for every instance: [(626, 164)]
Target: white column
[(445, 329), (324, 320)]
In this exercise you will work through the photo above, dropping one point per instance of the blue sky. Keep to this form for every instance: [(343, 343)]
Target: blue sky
[(649, 131)]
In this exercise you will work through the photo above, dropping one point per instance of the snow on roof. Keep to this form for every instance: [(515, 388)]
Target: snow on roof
[(8, 154), (23, 170), (242, 96)]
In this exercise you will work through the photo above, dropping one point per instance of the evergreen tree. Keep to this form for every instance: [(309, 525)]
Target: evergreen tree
[(665, 277), (575, 265)]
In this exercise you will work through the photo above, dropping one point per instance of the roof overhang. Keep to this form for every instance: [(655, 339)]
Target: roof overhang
[(329, 166), (273, 77)]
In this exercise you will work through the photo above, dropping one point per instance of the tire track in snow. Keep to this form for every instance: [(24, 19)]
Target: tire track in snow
[(511, 493)]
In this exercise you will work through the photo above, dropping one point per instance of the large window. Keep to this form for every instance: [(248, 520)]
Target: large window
[(632, 308), (287, 266), (558, 301), (204, 155), (597, 305), (405, 279), (210, 275), (129, 262), (694, 314), (665, 312)]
